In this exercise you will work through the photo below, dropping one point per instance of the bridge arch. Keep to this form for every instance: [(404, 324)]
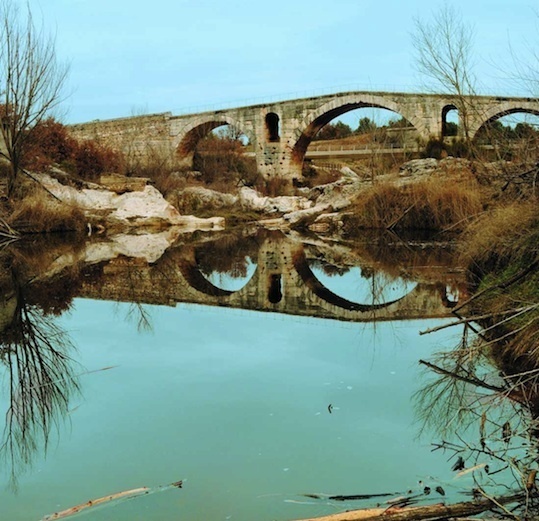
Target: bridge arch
[(319, 117), (187, 139), (503, 109)]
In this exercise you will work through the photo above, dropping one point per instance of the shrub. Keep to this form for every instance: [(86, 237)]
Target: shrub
[(435, 148), (427, 205), (49, 142), (502, 253), (501, 236), (222, 159), (92, 159)]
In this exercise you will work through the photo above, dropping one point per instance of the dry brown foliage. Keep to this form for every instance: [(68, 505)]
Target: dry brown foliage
[(434, 204), (39, 212), (495, 234)]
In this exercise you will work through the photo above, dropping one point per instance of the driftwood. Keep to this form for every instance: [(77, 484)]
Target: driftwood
[(126, 494), (429, 512)]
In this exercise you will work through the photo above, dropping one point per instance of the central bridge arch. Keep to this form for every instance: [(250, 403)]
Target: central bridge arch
[(316, 119)]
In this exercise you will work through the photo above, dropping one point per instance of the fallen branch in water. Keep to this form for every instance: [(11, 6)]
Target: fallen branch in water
[(462, 378), (75, 376), (438, 511), (513, 312), (126, 494)]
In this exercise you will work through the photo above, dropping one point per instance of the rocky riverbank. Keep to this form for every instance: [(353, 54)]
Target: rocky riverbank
[(408, 197)]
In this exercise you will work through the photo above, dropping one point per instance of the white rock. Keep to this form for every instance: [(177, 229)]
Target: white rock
[(143, 208), (417, 167), (250, 199)]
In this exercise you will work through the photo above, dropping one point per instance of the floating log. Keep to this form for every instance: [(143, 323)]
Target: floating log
[(437, 511), (126, 494)]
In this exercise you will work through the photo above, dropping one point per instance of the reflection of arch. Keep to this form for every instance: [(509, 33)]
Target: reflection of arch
[(304, 271), (332, 109), (194, 278), (499, 111), (187, 140)]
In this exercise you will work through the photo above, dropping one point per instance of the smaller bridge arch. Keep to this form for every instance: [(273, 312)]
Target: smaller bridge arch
[(186, 141), (319, 117)]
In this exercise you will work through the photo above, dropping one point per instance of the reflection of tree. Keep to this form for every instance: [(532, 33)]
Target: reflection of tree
[(41, 380), (486, 420), (381, 285), (331, 270), (229, 254)]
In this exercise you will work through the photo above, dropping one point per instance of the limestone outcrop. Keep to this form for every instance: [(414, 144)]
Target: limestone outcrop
[(138, 209)]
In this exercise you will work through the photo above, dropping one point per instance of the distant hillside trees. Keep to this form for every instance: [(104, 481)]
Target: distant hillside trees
[(338, 130), (366, 125)]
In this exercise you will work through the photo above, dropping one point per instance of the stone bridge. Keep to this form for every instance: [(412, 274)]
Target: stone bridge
[(280, 132), (283, 282)]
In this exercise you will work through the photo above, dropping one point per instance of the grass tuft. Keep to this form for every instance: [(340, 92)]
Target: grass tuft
[(39, 212)]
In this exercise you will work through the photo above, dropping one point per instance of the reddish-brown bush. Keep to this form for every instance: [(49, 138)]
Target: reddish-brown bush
[(50, 143), (92, 159)]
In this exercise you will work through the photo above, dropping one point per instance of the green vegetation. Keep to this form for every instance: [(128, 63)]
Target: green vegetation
[(367, 128)]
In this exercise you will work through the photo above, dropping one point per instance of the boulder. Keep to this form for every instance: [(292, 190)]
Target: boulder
[(250, 199), (304, 217), (418, 167), (195, 197), (331, 197), (327, 222)]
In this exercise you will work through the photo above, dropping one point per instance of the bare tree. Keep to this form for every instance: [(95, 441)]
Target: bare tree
[(31, 82), (444, 48)]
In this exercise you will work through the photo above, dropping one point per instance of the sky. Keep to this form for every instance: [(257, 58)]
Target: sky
[(130, 57)]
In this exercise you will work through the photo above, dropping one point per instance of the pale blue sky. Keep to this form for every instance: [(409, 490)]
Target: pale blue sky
[(169, 55)]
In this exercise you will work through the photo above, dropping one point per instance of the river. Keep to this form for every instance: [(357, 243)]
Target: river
[(268, 372)]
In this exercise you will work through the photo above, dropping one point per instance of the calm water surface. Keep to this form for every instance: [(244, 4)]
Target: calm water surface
[(251, 409)]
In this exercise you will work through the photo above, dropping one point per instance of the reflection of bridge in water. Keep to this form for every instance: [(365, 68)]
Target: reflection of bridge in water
[(283, 282)]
